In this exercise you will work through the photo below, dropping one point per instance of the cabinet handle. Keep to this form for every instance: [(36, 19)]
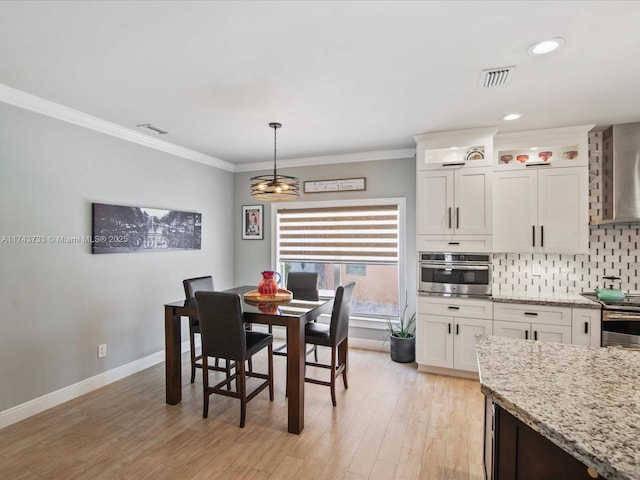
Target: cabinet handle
[(451, 307), (533, 232), (457, 217), (449, 217), (586, 327), (531, 314), (457, 329), (535, 335), (454, 164), (526, 334), (449, 329), (542, 235), (537, 164), (454, 243)]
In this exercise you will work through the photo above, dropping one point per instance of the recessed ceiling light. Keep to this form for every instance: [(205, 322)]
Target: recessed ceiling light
[(512, 116), (545, 46)]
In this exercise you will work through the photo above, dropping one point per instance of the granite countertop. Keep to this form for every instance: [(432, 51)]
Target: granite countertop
[(557, 299), (586, 400)]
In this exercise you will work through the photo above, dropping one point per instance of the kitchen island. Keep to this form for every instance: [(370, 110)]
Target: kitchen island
[(553, 406)]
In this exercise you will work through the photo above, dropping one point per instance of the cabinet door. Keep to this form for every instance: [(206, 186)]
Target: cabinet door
[(435, 202), (552, 333), (464, 348), (563, 210), (514, 211), (585, 326), (472, 206), (434, 340), (510, 329)]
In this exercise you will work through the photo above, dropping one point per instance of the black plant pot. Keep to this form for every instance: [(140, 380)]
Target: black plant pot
[(403, 350)]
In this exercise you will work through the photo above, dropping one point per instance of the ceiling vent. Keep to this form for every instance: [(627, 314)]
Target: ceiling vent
[(151, 127), (495, 77)]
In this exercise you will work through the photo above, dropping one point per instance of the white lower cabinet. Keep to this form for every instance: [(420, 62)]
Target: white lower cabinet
[(545, 333), (445, 335), (585, 326), (446, 328), (534, 322)]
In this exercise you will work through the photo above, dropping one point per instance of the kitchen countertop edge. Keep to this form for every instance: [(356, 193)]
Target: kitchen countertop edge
[(576, 301), (516, 398)]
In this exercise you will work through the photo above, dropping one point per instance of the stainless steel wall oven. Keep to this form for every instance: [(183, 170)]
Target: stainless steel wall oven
[(454, 273)]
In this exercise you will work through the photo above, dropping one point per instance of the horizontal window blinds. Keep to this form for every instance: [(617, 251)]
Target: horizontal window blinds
[(358, 234)]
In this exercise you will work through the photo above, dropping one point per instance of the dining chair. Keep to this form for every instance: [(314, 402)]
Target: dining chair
[(332, 335), (224, 335), (303, 286), (191, 286)]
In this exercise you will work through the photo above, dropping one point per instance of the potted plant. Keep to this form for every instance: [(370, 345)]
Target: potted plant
[(402, 338)]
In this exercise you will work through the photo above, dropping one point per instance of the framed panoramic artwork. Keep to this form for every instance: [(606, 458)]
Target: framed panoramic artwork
[(252, 222), (122, 229)]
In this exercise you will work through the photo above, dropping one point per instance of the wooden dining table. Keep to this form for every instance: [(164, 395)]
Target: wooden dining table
[(293, 315)]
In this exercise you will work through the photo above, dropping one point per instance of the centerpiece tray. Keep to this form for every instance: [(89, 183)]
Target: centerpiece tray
[(256, 297)]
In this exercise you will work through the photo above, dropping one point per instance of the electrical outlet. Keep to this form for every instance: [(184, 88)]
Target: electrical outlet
[(535, 269), (102, 350)]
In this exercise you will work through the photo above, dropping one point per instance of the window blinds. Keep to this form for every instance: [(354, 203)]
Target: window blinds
[(357, 234)]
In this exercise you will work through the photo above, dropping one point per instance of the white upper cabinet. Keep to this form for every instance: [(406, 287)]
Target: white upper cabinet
[(541, 211), (456, 148), (454, 190), (455, 201), (541, 203), (567, 147)]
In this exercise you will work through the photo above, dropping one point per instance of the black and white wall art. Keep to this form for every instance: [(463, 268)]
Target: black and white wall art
[(120, 229)]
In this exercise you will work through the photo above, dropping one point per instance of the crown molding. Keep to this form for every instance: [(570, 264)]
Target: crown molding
[(39, 105), (36, 104), (330, 159)]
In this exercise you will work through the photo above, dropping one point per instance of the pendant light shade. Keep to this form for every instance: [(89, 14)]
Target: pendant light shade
[(275, 187)]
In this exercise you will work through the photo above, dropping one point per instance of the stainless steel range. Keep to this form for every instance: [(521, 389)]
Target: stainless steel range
[(620, 321)]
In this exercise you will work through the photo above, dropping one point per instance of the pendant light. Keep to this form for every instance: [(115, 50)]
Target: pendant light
[(275, 187)]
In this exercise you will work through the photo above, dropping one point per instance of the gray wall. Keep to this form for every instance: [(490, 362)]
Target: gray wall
[(384, 179), (58, 300)]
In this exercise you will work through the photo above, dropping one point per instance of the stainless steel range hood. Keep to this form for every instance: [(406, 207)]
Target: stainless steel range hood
[(621, 174)]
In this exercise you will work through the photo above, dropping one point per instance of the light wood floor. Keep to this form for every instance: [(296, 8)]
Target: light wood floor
[(392, 423)]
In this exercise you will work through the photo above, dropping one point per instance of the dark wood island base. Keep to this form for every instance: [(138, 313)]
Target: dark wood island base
[(514, 451)]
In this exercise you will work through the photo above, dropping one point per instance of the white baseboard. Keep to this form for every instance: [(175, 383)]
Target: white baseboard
[(53, 399), (50, 400), (365, 344)]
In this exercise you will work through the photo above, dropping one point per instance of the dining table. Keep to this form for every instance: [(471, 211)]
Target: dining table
[(293, 314)]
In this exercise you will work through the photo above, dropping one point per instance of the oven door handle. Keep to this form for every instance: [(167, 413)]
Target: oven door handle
[(621, 316), (455, 267)]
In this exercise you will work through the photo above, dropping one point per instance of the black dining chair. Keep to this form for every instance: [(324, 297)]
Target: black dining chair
[(303, 286), (224, 335), (333, 335), (191, 286)]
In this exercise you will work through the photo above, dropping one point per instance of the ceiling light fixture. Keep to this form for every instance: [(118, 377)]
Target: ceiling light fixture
[(511, 116), (545, 46), (275, 187)]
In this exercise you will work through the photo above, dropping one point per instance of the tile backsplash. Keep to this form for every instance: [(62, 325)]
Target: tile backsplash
[(613, 250)]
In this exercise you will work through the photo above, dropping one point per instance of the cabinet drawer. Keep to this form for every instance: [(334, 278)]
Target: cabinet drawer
[(518, 312), (454, 243), (455, 307)]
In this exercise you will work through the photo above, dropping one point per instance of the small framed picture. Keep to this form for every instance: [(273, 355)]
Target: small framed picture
[(252, 222)]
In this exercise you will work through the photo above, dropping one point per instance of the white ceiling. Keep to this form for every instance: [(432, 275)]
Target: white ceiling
[(342, 77)]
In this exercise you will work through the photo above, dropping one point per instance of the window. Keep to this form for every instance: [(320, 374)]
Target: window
[(345, 241)]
